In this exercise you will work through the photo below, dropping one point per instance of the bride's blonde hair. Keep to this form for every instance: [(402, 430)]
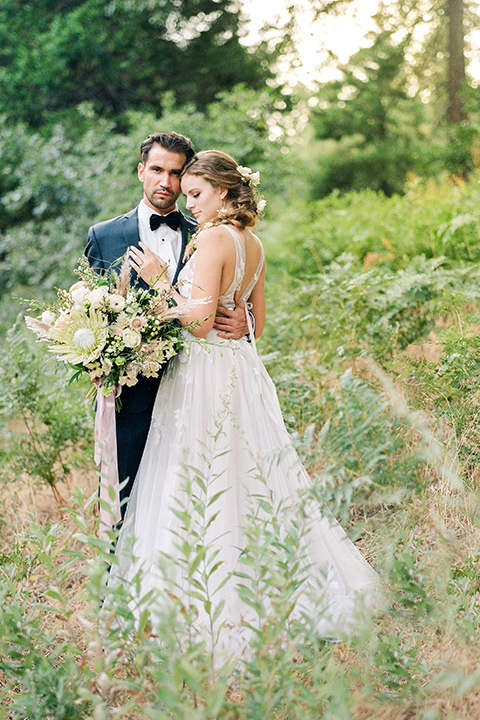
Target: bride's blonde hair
[(221, 170)]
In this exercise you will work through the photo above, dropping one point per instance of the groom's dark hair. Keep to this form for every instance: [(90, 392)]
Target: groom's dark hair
[(171, 141)]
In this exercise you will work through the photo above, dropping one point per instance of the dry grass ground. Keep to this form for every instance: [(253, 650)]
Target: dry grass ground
[(448, 656)]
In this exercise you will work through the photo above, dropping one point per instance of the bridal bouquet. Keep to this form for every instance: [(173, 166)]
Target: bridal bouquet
[(109, 329), (116, 333)]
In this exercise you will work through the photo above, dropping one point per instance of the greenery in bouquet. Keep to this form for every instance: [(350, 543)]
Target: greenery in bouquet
[(109, 328)]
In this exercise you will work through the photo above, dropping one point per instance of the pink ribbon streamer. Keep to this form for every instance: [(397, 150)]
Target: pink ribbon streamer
[(106, 457)]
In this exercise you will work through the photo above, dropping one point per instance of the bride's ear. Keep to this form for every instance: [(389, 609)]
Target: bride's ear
[(223, 192)]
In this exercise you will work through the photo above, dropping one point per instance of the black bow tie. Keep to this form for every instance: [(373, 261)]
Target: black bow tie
[(172, 220)]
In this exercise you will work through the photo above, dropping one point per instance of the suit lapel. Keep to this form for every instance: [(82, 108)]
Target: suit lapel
[(131, 236), (130, 228)]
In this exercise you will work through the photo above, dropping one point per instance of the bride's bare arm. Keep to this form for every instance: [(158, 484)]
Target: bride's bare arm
[(209, 262)]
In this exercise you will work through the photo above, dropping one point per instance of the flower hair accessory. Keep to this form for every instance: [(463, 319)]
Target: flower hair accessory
[(249, 177)]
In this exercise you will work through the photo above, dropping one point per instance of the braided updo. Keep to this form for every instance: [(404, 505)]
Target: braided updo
[(221, 170)]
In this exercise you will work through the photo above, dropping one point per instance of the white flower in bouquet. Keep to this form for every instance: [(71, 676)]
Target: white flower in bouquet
[(97, 296), (131, 338), (116, 302), (150, 368), (48, 317), (162, 351), (84, 338), (77, 292), (106, 366), (95, 371), (130, 377), (79, 338), (121, 324)]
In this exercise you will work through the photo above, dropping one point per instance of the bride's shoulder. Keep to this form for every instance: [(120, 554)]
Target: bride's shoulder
[(215, 231), (213, 237)]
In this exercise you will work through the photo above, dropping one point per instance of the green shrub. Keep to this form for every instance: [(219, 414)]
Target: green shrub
[(56, 428), (434, 218)]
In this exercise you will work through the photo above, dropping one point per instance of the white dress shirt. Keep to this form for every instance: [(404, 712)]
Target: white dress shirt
[(164, 241)]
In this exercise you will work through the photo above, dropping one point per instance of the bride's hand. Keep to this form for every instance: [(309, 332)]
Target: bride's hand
[(148, 266)]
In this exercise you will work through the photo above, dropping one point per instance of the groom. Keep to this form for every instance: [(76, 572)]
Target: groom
[(157, 222)]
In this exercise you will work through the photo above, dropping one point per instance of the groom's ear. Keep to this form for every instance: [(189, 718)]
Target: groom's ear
[(141, 171)]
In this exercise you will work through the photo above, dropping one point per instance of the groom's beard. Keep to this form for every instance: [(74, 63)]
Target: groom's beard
[(166, 203)]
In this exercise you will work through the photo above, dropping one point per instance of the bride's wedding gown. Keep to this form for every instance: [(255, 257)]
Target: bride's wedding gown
[(217, 423)]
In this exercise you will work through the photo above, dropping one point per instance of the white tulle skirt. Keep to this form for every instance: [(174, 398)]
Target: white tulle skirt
[(219, 460)]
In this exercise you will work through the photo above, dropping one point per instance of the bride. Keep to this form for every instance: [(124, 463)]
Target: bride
[(217, 423)]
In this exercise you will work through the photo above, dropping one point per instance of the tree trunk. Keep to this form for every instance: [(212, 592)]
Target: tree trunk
[(456, 61)]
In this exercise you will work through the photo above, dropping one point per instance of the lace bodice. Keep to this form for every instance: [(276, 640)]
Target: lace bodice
[(185, 279)]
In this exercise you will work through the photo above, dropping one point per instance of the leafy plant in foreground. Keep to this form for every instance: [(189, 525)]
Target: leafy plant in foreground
[(366, 451), (56, 422)]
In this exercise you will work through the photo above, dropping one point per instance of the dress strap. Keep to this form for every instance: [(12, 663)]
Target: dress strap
[(240, 259), (237, 240), (254, 279)]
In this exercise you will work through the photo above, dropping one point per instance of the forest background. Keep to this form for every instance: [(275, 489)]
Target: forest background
[(372, 235)]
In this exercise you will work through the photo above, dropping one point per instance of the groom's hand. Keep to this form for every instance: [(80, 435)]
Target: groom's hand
[(231, 324)]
